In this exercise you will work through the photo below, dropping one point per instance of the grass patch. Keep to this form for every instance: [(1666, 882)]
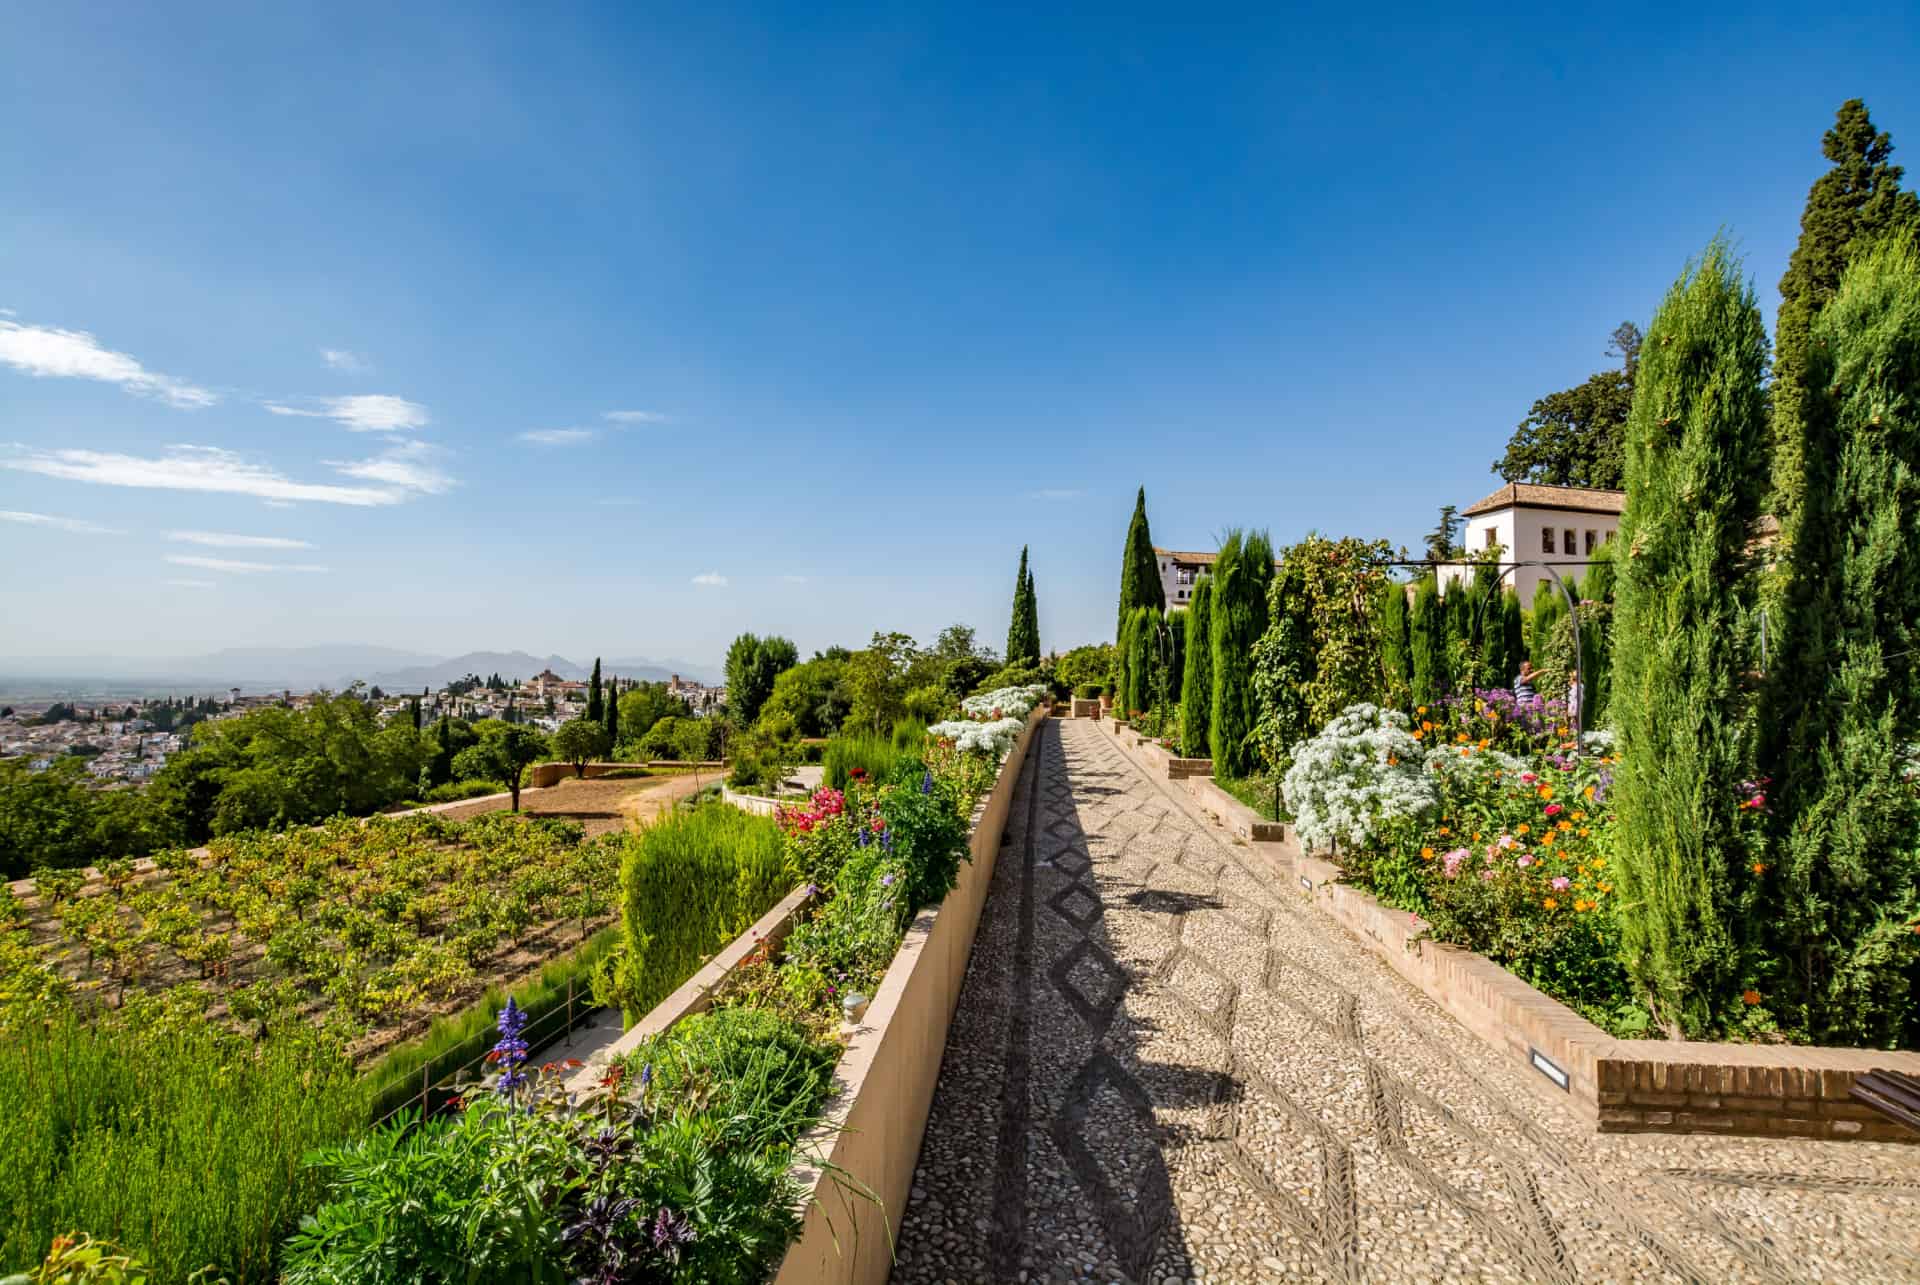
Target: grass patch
[(1258, 793)]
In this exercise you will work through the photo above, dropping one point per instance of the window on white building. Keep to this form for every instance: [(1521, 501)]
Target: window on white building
[(1567, 545), (1546, 540), (1490, 537), (1592, 539)]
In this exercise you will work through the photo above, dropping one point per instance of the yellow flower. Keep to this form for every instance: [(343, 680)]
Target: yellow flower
[(1523, 828), (1587, 793), (1606, 887), (1599, 862), (1585, 830), (1545, 792), (1551, 904), (1564, 825), (1484, 742), (1421, 710)]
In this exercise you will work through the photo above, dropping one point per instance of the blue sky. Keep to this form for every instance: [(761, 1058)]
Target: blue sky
[(620, 329)]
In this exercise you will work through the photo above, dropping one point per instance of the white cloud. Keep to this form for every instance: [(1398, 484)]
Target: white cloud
[(194, 468), (189, 584), (403, 465), (351, 363), (1055, 493), (363, 412), (75, 525), (8, 312), (711, 579), (236, 566), (557, 436), (635, 417), (221, 540), (50, 353)]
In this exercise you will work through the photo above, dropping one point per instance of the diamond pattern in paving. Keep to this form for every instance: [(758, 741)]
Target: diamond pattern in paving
[(1166, 1067)]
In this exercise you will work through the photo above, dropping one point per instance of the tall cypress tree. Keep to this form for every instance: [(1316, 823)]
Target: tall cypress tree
[(1139, 569), (613, 715), (1023, 628), (413, 707), (1427, 641), (1512, 635), (1241, 575), (1396, 661), (595, 711), (1196, 708), (1696, 473), (1177, 672), (1143, 657), (1842, 697), (441, 768), (1852, 205), (1122, 665)]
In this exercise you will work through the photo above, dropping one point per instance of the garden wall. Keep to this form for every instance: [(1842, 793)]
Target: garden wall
[(872, 1127), (544, 775), (1620, 1086)]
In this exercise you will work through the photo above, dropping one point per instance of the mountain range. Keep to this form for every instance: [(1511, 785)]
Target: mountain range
[(333, 666)]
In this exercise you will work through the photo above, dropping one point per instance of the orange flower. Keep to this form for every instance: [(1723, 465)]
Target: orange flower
[(1759, 867), (1545, 791), (1585, 831), (1751, 997), (1564, 825), (1426, 854), (1599, 862), (1425, 726), (1522, 828), (1606, 887), (1587, 793), (1476, 836), (1579, 816), (1446, 830), (1417, 734), (1421, 710), (1551, 904)]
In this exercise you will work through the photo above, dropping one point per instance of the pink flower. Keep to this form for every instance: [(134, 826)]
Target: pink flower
[(1505, 841), (1529, 777), (1523, 861), (1450, 862), (1554, 809), (1561, 883), (1486, 874)]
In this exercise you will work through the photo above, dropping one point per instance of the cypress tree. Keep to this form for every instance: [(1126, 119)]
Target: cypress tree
[(1512, 635), (1177, 671), (1596, 634), (1396, 661), (1842, 696), (1143, 657), (595, 711), (413, 707), (441, 768), (1241, 575), (1460, 648), (1427, 643), (1494, 660), (1548, 608), (1852, 205), (613, 715), (1696, 443), (1139, 569), (1023, 629), (1196, 710), (1122, 666)]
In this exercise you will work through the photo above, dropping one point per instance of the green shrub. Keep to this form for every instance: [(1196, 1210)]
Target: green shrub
[(691, 882), (183, 1144), (454, 791)]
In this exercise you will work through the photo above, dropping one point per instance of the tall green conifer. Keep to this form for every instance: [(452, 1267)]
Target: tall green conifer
[(1241, 575), (1427, 641), (1842, 696), (613, 716), (1196, 706), (1177, 673), (1143, 658), (1396, 660), (1696, 472), (595, 711), (1139, 567)]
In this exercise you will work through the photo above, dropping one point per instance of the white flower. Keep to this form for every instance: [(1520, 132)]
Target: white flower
[(1363, 768), (1008, 702)]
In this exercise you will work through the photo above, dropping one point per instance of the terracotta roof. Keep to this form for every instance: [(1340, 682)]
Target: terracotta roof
[(1202, 558), (1578, 498)]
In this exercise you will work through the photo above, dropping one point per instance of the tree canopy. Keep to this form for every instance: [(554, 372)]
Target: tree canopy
[(1577, 437)]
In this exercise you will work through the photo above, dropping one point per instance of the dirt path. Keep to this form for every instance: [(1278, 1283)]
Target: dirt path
[(603, 805)]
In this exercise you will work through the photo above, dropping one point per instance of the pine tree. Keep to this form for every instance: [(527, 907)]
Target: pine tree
[(1427, 642), (1396, 661), (1139, 568), (1241, 575), (595, 711), (613, 716), (1841, 703), (1852, 205), (1696, 472), (1196, 710)]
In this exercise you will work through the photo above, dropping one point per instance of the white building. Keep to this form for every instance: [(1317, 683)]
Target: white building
[(1180, 572), (1558, 525)]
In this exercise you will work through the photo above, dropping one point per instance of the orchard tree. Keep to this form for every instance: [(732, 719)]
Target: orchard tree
[(579, 741), (506, 750)]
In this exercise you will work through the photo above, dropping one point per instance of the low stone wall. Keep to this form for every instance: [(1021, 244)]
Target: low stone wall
[(1085, 708), (869, 1138), (1196, 775), (757, 804), (1620, 1086), (543, 776)]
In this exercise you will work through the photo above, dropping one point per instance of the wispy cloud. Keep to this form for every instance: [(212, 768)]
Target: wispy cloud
[(1055, 493), (363, 412), (350, 363), (711, 580), (635, 417), (50, 353), (557, 436), (222, 540), (189, 584), (196, 468), (75, 525), (405, 466), (236, 566)]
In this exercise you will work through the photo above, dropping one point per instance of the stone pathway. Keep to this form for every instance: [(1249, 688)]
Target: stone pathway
[(1165, 1067)]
